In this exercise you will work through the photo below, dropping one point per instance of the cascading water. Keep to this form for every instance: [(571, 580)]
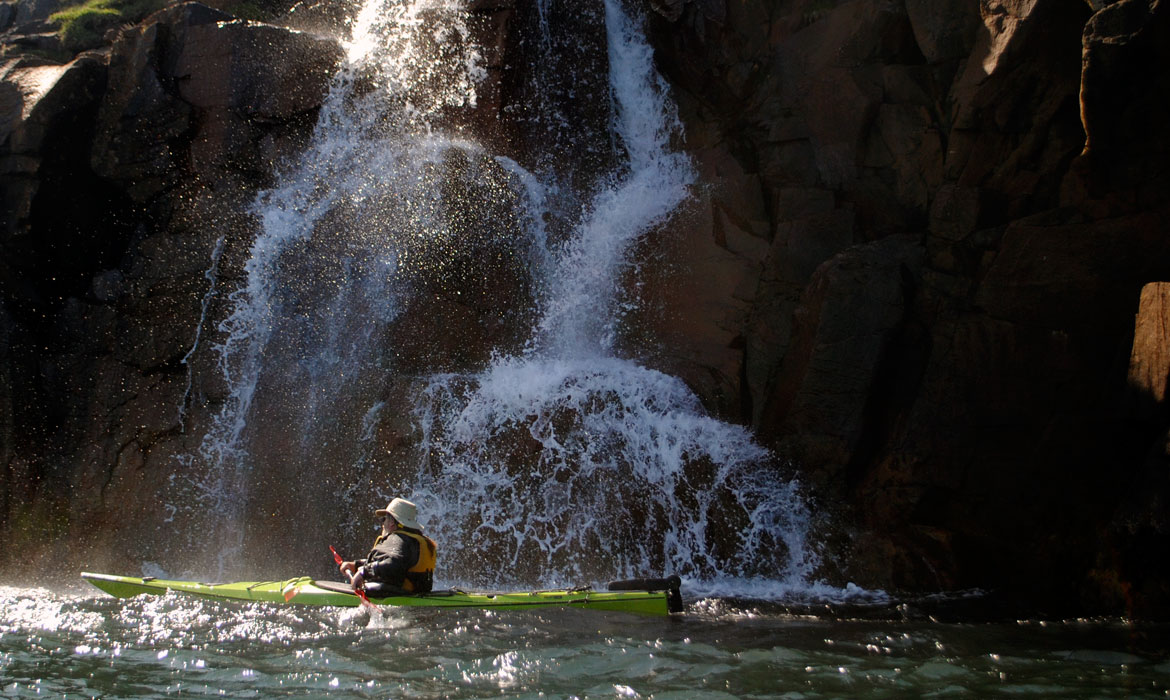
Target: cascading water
[(558, 462), (325, 275), (212, 277), (568, 463)]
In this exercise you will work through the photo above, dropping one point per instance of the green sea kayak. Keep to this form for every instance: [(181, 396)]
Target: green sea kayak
[(646, 596)]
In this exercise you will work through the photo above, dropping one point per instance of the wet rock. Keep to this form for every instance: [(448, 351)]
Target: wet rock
[(208, 88), (550, 94), (919, 238), (472, 272), (326, 17), (133, 167)]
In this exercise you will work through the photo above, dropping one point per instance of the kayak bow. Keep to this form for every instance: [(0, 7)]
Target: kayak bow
[(662, 600)]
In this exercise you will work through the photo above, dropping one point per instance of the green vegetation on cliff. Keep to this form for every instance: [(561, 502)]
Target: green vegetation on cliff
[(84, 25)]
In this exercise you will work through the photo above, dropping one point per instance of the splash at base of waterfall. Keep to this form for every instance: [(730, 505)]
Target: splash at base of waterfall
[(554, 471)]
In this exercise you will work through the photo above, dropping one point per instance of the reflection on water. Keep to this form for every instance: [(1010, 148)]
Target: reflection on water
[(54, 645)]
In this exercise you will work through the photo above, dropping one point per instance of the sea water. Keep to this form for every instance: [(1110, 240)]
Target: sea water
[(86, 645)]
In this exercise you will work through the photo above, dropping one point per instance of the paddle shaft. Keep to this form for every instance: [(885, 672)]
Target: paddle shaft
[(360, 593)]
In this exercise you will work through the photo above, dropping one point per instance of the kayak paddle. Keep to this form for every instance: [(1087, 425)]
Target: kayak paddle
[(360, 593)]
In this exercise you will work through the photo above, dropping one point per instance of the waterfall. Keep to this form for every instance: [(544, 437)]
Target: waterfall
[(569, 463), (648, 185), (327, 271), (555, 460)]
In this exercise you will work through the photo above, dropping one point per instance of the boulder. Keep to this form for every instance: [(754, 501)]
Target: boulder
[(40, 101), (209, 88), (846, 345)]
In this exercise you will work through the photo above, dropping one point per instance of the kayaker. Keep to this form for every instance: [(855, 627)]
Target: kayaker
[(402, 559)]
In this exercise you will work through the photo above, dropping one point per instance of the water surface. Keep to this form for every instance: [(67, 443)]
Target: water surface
[(88, 645)]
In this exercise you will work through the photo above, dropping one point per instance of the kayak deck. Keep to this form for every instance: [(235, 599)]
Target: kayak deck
[(306, 591)]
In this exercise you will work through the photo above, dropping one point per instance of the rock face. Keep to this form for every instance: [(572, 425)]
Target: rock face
[(122, 171), (958, 206), (922, 234)]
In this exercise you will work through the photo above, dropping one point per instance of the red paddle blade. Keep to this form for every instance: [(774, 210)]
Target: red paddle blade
[(360, 593)]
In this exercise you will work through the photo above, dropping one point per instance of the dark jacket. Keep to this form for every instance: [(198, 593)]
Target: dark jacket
[(390, 561)]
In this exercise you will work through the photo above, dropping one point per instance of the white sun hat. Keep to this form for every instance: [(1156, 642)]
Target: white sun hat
[(402, 510)]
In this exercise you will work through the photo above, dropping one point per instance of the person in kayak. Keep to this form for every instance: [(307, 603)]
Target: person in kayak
[(402, 559)]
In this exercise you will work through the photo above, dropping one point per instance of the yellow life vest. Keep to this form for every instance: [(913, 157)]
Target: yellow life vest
[(420, 577)]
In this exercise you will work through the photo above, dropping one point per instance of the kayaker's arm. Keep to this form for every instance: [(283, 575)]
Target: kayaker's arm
[(358, 585), (352, 570)]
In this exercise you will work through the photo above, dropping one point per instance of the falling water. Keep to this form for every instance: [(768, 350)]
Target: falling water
[(568, 463), (323, 278), (559, 461), (212, 277)]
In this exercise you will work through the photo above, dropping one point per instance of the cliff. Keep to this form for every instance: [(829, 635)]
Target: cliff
[(930, 226), (922, 262)]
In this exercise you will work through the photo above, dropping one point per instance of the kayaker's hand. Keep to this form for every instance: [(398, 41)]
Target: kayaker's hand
[(348, 568), (358, 581)]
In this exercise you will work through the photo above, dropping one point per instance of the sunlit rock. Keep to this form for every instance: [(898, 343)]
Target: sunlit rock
[(1149, 362)]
